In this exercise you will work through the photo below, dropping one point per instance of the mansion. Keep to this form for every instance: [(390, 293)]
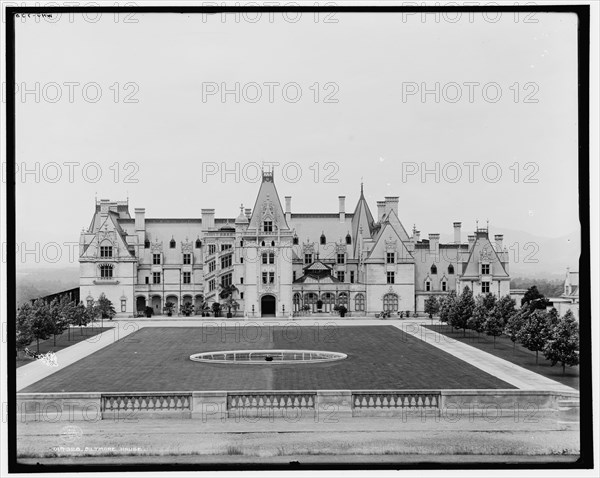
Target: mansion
[(282, 263)]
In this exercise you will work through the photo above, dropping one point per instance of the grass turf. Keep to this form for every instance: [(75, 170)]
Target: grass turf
[(157, 359), (515, 353)]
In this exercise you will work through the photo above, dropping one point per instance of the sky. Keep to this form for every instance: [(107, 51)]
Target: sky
[(108, 108)]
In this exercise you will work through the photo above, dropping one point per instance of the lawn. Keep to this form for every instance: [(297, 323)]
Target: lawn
[(516, 354), (157, 359), (64, 340)]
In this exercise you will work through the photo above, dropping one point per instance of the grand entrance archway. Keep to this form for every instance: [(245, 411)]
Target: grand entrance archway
[(267, 306)]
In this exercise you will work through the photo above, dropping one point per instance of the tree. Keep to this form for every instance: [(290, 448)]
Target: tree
[(514, 324), (432, 306), (216, 308), (505, 308), (480, 314), (447, 306), (24, 334), (464, 310), (104, 308), (534, 299), (494, 326), (533, 332), (226, 293), (563, 342), (59, 322), (41, 325)]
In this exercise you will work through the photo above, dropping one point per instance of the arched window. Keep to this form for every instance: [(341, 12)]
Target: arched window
[(328, 298), (343, 299), (265, 258), (390, 302), (172, 243), (310, 299), (272, 243), (323, 239), (359, 302), (450, 269), (198, 243), (434, 269), (348, 239), (262, 243), (271, 258)]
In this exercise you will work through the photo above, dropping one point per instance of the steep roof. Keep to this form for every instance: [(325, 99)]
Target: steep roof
[(361, 218), (267, 203)]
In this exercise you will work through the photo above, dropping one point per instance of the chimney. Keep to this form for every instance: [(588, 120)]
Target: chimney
[(208, 219), (248, 213), (471, 238), (140, 219), (457, 232), (417, 236), (288, 208), (342, 200), (380, 210), (104, 204), (498, 238), (434, 243), (391, 204)]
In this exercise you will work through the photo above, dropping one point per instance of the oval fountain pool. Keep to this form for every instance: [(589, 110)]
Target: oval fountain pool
[(267, 356)]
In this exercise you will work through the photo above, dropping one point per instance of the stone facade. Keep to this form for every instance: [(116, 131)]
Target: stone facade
[(281, 262)]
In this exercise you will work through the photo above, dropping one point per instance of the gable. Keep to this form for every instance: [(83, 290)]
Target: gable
[(388, 241), (268, 206), (482, 250)]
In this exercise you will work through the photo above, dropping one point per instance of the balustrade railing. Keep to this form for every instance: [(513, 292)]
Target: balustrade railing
[(395, 400), (146, 402), (270, 400)]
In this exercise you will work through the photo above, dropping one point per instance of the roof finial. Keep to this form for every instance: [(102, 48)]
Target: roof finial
[(361, 186)]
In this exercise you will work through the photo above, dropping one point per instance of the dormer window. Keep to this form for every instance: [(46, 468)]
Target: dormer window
[(268, 226), (106, 251), (434, 269), (323, 239), (450, 269), (172, 244), (198, 243), (348, 239), (485, 269)]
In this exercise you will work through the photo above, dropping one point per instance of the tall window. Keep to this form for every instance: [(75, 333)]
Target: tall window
[(106, 251), (450, 269), (390, 258), (268, 226), (323, 239), (271, 277), (265, 277), (341, 275), (156, 277), (444, 286), (352, 277), (198, 243), (225, 247), (106, 271), (187, 258), (211, 285), (212, 248), (146, 244), (293, 275), (428, 286), (485, 269), (307, 258), (241, 280), (212, 266), (391, 277), (268, 258), (433, 269), (227, 280), (155, 258), (343, 299), (390, 302), (296, 302), (187, 277), (359, 302), (348, 239), (341, 258), (123, 305), (485, 287), (226, 261)]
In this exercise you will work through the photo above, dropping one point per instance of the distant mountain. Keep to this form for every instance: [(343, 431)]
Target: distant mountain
[(39, 282), (538, 256)]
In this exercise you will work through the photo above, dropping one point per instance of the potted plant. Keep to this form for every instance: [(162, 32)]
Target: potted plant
[(231, 304), (187, 308), (169, 306), (342, 310), (204, 308), (306, 307), (216, 308)]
